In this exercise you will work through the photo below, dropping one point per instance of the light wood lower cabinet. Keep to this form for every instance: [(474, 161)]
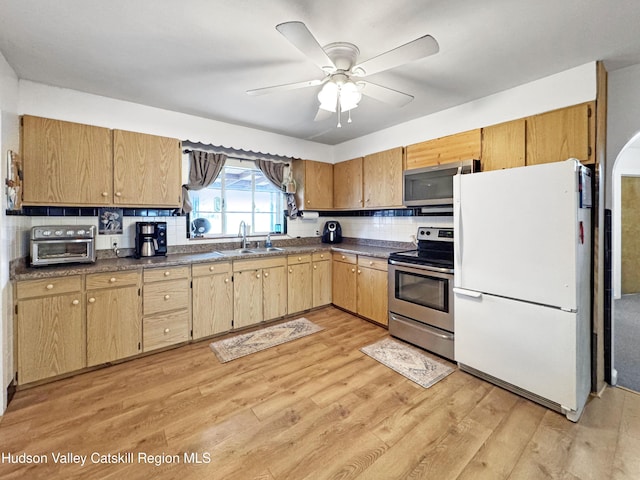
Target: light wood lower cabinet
[(372, 290), (344, 281), (212, 299), (321, 282), (166, 297), (114, 316), (299, 283), (50, 328), (259, 290)]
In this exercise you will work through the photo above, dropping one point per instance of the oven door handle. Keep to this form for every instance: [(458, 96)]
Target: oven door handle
[(420, 267), (467, 293)]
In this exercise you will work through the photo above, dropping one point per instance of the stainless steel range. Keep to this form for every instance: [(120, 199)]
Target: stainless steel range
[(421, 292)]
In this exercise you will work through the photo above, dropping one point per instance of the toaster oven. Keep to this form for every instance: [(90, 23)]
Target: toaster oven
[(56, 244)]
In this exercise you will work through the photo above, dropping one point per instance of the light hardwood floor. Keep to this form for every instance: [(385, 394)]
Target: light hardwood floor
[(315, 408)]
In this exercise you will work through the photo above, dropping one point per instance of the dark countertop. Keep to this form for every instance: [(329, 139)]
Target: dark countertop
[(176, 259)]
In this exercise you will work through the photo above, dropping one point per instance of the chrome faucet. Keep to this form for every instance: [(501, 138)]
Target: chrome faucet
[(242, 232), (267, 243)]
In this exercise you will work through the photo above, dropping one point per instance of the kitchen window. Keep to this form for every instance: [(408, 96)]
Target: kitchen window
[(240, 193)]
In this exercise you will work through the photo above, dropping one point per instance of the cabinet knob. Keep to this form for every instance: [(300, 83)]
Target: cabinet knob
[(343, 257), (166, 274), (118, 194), (167, 297), (370, 263), (76, 302), (257, 275), (315, 267), (359, 272), (92, 300), (105, 194), (50, 286), (226, 280), (212, 268), (308, 201), (322, 255), (299, 259), (266, 274), (112, 279), (166, 330), (353, 270), (290, 270)]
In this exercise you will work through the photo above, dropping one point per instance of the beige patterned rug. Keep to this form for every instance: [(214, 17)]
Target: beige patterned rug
[(408, 361), (252, 342)]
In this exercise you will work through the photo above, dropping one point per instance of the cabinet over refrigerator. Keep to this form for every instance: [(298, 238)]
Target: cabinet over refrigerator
[(522, 285)]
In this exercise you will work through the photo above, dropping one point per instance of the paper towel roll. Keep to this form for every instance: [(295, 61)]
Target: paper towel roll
[(309, 215)]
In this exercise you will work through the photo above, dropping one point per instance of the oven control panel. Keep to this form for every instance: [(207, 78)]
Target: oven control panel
[(438, 234)]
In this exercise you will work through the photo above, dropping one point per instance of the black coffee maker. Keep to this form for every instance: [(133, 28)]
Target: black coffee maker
[(332, 232), (151, 239)]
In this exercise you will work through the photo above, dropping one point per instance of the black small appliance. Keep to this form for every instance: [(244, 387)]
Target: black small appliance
[(151, 239), (332, 232)]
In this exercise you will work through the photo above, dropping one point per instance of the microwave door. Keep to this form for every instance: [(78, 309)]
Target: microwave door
[(431, 187)]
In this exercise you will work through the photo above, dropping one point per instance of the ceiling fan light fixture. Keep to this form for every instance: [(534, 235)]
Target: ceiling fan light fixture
[(350, 96), (328, 97)]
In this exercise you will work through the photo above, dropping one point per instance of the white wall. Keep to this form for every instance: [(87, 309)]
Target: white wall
[(571, 87), (9, 245)]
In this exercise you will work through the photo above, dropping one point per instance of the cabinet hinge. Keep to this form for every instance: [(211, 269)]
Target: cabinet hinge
[(232, 278), (589, 151), (16, 377), (139, 346), (16, 309), (191, 334), (22, 125), (139, 292), (191, 284), (589, 112)]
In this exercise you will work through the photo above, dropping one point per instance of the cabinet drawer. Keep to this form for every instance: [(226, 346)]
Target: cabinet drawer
[(202, 269), (297, 259), (345, 257), (372, 262), (162, 297), (171, 273), (319, 256), (165, 330), (48, 286), (112, 279)]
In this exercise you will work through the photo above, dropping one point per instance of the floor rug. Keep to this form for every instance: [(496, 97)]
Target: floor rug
[(252, 342), (408, 361)]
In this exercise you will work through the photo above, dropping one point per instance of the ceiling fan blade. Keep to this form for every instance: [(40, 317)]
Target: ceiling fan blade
[(419, 48), (287, 86), (322, 115), (299, 35), (385, 94)]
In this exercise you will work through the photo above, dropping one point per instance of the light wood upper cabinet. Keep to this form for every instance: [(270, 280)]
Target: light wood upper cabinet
[(114, 317), (147, 170), (382, 179), (561, 134), (65, 163), (504, 145), (347, 184), (314, 182), (51, 335), (461, 146)]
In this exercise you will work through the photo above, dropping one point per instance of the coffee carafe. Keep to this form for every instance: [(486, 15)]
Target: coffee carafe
[(148, 247)]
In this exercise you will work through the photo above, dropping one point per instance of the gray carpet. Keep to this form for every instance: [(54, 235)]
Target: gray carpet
[(627, 341)]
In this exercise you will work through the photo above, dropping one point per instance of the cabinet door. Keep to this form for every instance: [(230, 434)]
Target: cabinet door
[(314, 184), (344, 285), (65, 163), (321, 283), (503, 145), (114, 328), (51, 337), (561, 134), (382, 173), (300, 294), (147, 170), (247, 298), (373, 297), (212, 305), (452, 148), (347, 184), (274, 292)]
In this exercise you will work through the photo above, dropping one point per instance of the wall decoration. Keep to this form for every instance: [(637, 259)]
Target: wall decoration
[(110, 221)]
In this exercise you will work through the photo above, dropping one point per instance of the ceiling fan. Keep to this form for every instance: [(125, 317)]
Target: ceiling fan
[(342, 85)]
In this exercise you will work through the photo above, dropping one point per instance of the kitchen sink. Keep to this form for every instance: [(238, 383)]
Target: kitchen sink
[(269, 249), (244, 251)]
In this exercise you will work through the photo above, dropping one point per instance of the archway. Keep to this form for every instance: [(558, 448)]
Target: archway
[(626, 266)]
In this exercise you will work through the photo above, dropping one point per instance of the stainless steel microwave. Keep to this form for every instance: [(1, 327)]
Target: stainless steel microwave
[(433, 186)]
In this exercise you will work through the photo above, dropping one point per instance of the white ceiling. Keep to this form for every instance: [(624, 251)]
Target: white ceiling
[(200, 56)]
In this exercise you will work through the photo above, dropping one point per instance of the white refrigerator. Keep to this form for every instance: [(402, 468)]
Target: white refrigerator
[(522, 296)]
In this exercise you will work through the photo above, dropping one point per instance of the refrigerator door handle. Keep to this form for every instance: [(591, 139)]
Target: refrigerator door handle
[(467, 293)]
